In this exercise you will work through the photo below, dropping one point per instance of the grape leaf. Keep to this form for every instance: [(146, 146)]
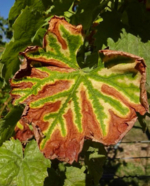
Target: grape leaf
[(38, 37), (23, 32), (55, 178), (8, 123), (61, 6), (138, 20), (134, 45), (19, 5), (86, 12), (66, 104), (19, 169), (94, 155), (75, 176), (110, 20)]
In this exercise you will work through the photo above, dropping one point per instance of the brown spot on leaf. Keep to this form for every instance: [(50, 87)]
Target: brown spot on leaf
[(65, 148), (67, 70), (23, 134), (91, 126), (21, 85), (118, 127), (26, 70), (140, 66), (44, 61), (35, 73), (49, 90), (113, 92), (36, 115), (54, 27)]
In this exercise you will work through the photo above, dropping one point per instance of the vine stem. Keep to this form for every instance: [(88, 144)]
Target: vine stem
[(4, 106)]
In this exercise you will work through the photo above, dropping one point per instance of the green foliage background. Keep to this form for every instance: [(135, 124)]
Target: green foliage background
[(122, 25)]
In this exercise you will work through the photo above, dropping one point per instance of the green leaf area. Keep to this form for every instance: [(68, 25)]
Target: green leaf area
[(66, 104), (35, 5), (94, 155), (75, 176), (18, 168), (8, 123)]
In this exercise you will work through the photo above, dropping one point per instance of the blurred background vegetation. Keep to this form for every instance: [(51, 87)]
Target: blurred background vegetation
[(5, 33)]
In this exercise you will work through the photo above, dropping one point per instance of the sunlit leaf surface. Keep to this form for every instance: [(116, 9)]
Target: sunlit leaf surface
[(18, 168), (66, 104)]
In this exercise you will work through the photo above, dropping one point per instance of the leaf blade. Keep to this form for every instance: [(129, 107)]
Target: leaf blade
[(66, 104), (29, 170)]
